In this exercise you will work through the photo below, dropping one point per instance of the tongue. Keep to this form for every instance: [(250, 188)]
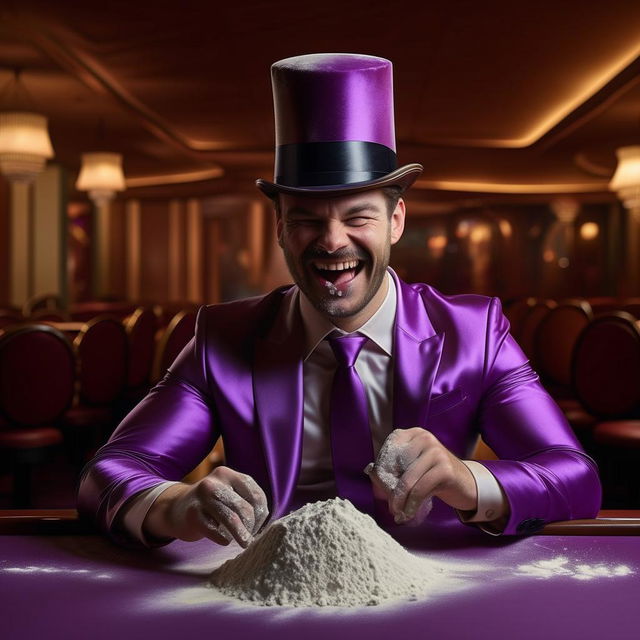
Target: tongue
[(339, 278)]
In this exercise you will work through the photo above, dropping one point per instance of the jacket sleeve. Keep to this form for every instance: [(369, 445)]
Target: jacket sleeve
[(167, 435), (545, 474)]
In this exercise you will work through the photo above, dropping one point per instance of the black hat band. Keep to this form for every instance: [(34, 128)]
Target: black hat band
[(317, 164)]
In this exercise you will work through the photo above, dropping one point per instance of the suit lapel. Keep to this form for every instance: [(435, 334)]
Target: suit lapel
[(417, 351), (279, 401)]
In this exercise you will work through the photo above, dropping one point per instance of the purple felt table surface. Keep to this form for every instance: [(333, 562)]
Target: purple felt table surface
[(537, 587)]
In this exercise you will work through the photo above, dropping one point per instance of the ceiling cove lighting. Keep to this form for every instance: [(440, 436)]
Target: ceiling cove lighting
[(101, 175)]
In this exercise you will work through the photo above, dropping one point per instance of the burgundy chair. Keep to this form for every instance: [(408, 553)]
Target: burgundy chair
[(606, 366), (530, 324), (85, 311), (10, 317), (632, 306), (606, 380), (45, 301), (101, 351), (554, 343), (141, 327), (604, 304), (177, 334), (516, 313), (48, 315), (37, 370)]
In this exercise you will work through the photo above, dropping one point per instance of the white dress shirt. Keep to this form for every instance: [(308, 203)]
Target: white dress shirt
[(375, 368)]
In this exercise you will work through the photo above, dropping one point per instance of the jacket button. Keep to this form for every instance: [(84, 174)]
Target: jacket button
[(531, 525)]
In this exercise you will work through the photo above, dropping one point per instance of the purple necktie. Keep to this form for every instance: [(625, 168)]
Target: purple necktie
[(351, 445)]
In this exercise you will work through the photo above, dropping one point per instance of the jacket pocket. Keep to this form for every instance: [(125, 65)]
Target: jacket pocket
[(445, 401)]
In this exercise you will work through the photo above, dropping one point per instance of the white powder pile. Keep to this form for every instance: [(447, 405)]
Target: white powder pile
[(562, 566), (325, 554)]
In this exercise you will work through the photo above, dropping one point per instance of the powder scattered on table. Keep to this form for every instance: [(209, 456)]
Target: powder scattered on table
[(326, 554)]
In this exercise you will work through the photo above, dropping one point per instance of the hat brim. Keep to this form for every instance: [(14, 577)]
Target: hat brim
[(402, 177)]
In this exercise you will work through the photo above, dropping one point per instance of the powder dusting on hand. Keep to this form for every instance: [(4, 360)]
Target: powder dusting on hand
[(325, 554)]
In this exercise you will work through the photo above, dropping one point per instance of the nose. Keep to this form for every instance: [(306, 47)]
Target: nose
[(333, 236)]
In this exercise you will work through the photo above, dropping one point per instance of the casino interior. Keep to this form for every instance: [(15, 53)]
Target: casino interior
[(131, 137), (132, 200)]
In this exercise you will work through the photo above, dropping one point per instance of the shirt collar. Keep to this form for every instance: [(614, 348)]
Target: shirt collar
[(379, 327)]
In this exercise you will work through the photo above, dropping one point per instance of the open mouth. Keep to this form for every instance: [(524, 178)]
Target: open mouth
[(337, 274)]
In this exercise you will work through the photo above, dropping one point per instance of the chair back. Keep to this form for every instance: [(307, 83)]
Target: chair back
[(141, 331), (530, 324), (180, 330), (604, 304), (556, 338), (85, 311), (516, 313), (101, 350), (9, 317), (48, 301), (47, 315), (632, 306), (37, 374), (605, 370)]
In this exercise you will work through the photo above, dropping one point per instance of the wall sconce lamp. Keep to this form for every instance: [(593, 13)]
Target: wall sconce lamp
[(101, 175), (24, 138), (626, 179)]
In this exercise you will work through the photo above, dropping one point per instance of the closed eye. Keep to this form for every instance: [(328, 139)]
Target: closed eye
[(358, 221)]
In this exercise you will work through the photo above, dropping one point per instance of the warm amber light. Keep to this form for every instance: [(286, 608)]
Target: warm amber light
[(505, 228), (589, 231), (626, 179), (101, 175), (437, 243), (549, 256), (24, 145), (480, 233), (462, 231)]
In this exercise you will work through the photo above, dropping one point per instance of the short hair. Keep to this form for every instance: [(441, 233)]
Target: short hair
[(391, 194)]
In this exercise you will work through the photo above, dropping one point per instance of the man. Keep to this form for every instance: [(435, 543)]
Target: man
[(351, 382)]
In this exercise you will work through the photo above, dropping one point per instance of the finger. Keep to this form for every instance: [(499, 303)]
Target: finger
[(422, 491), (233, 523), (382, 481), (227, 496), (253, 494), (213, 530), (419, 461), (399, 450)]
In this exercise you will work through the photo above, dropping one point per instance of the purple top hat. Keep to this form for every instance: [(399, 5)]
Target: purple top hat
[(334, 126)]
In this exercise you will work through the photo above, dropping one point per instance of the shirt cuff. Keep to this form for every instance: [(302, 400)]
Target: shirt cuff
[(492, 503), (136, 509)]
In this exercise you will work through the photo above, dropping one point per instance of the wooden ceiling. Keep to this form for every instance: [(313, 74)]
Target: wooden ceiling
[(498, 100)]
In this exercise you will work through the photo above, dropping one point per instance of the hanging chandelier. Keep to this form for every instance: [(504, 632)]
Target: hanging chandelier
[(101, 175), (25, 145), (626, 179)]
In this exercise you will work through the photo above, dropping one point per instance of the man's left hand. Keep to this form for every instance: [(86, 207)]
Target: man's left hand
[(412, 466)]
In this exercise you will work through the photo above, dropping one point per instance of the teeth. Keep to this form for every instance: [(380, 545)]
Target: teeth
[(336, 266)]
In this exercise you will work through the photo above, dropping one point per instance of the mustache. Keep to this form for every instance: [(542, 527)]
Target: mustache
[(344, 255)]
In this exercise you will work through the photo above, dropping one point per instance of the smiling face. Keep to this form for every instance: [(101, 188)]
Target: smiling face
[(337, 250)]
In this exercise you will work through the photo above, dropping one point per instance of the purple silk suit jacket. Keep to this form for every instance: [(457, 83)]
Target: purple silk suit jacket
[(457, 373)]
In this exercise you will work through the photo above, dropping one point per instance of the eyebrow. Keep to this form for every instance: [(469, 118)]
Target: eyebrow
[(359, 208)]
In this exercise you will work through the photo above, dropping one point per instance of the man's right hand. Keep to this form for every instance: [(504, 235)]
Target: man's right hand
[(223, 506)]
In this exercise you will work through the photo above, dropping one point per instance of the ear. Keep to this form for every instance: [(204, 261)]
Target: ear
[(279, 222), (279, 227), (397, 221)]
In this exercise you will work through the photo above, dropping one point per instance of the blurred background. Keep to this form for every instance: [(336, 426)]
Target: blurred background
[(131, 136)]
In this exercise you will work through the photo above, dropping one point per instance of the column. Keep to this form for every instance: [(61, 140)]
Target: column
[(132, 214)]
